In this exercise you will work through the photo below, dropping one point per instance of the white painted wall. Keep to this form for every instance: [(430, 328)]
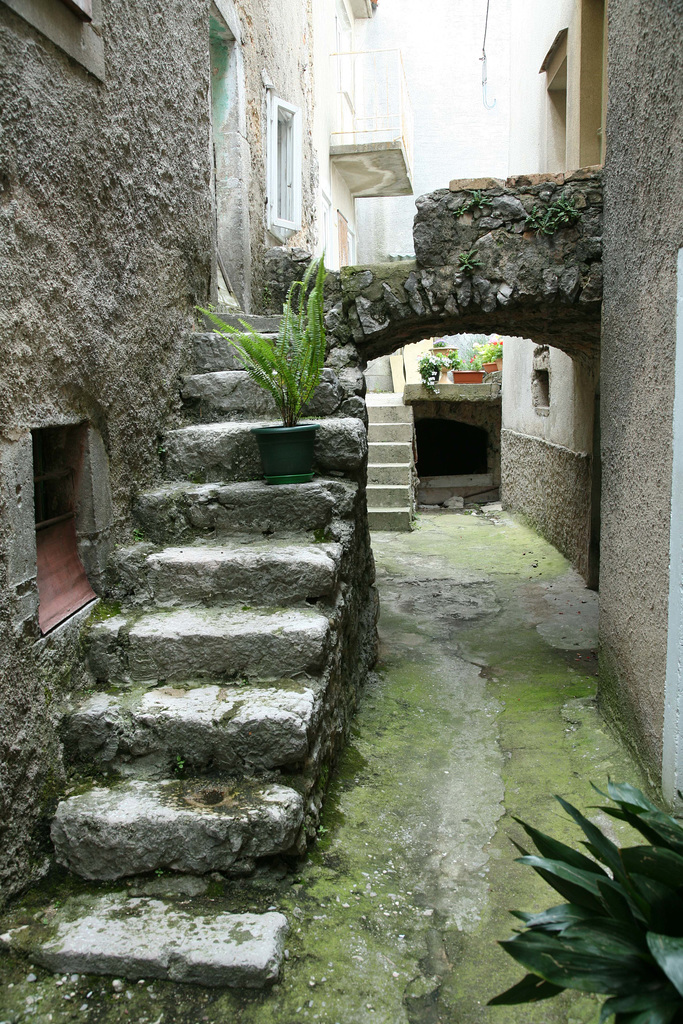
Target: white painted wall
[(455, 136), (533, 27), (569, 421), (324, 123), (672, 758)]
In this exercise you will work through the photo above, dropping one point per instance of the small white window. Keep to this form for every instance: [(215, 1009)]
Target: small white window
[(284, 167)]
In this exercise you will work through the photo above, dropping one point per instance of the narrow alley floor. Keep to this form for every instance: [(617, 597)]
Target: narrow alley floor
[(482, 707)]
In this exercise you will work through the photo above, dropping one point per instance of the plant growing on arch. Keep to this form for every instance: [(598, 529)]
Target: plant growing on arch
[(620, 933)]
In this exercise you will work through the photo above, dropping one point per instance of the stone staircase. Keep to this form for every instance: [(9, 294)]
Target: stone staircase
[(391, 464), (225, 670)]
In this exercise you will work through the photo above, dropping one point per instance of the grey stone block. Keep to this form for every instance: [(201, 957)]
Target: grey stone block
[(194, 643), (193, 827), (395, 519), (251, 570), (207, 727), (174, 513), (389, 496), (228, 451), (146, 938)]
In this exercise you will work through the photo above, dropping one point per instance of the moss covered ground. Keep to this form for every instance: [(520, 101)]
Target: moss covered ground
[(482, 707)]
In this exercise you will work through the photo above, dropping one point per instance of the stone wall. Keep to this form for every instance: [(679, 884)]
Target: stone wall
[(550, 485), (548, 412), (277, 50), (524, 283), (105, 215), (643, 188)]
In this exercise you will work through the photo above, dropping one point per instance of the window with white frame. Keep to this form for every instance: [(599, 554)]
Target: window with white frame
[(284, 167)]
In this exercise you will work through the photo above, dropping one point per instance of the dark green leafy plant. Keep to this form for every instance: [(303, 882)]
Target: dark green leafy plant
[(477, 201), (621, 932), (290, 367), (454, 361), (560, 214), (468, 261)]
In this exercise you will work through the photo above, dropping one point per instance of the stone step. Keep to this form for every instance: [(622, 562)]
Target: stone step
[(211, 352), (260, 324), (389, 496), (232, 395), (228, 451), (380, 452), (157, 732), (390, 432), (250, 570), (147, 938), (390, 413), (389, 473), (193, 826), (215, 643), (177, 512), (227, 394), (397, 519)]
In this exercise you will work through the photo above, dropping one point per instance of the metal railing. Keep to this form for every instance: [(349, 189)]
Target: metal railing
[(373, 104)]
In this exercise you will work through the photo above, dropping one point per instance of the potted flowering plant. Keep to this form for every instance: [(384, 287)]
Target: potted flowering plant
[(491, 354), (289, 369), (431, 368)]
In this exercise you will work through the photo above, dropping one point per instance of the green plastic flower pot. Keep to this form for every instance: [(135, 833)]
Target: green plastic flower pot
[(287, 452)]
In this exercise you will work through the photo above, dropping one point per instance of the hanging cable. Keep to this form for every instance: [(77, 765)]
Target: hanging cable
[(489, 106)]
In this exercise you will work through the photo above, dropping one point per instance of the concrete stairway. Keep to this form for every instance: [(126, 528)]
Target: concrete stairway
[(225, 671), (390, 463)]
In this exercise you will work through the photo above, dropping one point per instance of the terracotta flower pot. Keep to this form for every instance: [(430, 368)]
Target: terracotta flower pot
[(468, 376), (490, 367), (443, 379), (499, 363)]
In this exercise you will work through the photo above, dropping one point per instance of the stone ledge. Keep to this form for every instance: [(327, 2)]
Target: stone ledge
[(452, 393), (463, 184)]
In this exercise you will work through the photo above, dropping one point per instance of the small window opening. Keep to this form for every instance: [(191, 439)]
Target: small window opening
[(540, 390), (63, 586)]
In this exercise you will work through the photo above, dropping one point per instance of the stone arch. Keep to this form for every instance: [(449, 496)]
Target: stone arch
[(534, 269)]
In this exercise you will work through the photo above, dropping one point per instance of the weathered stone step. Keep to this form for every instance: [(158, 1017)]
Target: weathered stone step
[(390, 432), (228, 451), (389, 413), (146, 938), (196, 643), (390, 451), (389, 473), (176, 512), (389, 496), (232, 395), (212, 352), (167, 729), (396, 519), (260, 324), (251, 570), (193, 826)]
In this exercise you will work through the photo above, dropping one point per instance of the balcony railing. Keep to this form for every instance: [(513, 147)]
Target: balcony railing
[(373, 105)]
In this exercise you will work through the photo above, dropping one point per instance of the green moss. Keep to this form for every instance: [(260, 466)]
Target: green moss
[(103, 610)]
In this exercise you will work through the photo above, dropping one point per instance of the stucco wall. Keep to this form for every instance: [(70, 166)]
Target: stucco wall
[(643, 232), (105, 217), (277, 48), (455, 135)]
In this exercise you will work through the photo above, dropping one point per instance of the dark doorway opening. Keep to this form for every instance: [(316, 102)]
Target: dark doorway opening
[(63, 586), (449, 448)]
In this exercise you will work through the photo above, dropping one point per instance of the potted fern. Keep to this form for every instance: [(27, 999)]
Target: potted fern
[(289, 369)]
